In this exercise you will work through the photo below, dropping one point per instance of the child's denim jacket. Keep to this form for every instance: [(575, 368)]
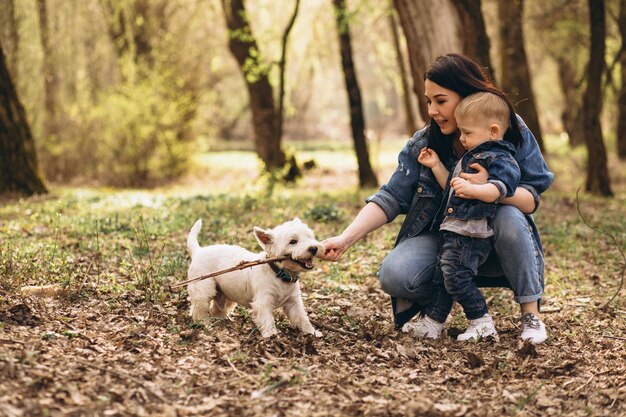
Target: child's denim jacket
[(497, 157), (414, 191)]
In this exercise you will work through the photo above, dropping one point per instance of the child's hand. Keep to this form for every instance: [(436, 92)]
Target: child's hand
[(462, 188), (428, 158)]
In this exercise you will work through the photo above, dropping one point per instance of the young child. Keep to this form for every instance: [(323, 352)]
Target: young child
[(466, 233)]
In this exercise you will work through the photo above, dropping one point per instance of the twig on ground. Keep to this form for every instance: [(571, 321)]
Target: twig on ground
[(122, 375), (8, 342), (617, 245), (331, 328), (241, 265), (240, 373), (550, 310), (613, 337)]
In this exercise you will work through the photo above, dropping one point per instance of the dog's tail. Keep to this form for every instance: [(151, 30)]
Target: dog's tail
[(192, 239)]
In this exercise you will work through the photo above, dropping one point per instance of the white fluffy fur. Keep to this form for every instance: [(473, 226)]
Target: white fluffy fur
[(257, 287)]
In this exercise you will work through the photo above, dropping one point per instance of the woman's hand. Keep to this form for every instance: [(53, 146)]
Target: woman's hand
[(334, 248), (480, 177)]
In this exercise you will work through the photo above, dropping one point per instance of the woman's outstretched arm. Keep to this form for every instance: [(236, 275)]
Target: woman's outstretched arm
[(370, 218)]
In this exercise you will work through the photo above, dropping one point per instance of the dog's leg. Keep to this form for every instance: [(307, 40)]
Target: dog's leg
[(200, 295), (221, 306), (294, 309), (262, 315)]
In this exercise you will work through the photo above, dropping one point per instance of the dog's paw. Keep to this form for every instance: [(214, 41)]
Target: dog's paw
[(317, 333)]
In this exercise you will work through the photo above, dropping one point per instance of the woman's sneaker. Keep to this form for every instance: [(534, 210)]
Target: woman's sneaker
[(533, 329), (480, 328), (425, 327)]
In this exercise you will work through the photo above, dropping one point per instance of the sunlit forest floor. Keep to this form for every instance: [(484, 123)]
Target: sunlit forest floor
[(113, 341)]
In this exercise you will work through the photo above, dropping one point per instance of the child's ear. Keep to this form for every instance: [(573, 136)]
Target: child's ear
[(495, 131)]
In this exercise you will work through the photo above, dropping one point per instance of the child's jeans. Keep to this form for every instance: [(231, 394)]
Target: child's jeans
[(459, 259)]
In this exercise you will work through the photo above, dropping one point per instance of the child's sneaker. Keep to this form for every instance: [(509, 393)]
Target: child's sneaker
[(425, 327), (533, 329), (480, 328)]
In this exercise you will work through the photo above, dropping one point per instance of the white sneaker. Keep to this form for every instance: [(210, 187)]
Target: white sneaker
[(425, 327), (480, 328), (533, 329)]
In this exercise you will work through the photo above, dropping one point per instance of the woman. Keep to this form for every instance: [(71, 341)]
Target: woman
[(407, 271)]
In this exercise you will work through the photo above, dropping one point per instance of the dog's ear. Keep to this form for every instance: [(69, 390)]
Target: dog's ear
[(264, 237), (296, 219)]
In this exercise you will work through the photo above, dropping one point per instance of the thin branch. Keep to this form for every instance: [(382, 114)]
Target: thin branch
[(617, 245), (331, 328), (282, 65), (241, 265)]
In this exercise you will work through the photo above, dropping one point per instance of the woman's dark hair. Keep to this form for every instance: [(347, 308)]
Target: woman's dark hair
[(463, 76)]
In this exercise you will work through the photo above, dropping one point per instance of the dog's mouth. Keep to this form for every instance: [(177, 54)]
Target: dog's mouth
[(303, 263)]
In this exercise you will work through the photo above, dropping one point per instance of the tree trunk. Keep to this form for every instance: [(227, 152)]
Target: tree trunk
[(48, 71), (411, 125), (430, 29), (572, 113), (367, 178), (473, 33), (598, 180), (438, 27), (621, 101), (244, 48), (515, 79), (9, 28), (19, 171)]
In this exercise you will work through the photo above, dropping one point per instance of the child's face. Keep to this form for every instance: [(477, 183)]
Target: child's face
[(475, 131)]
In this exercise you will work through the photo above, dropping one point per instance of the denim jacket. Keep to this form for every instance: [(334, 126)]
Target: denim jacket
[(414, 191), (504, 173)]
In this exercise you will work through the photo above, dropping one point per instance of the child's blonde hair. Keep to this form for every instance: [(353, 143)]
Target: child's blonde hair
[(487, 106)]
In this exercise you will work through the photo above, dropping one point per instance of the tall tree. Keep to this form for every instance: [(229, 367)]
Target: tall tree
[(411, 125), (19, 170), (50, 84), (367, 177), (621, 101), (515, 79), (475, 42), (266, 120), (437, 27), (598, 180), (9, 28)]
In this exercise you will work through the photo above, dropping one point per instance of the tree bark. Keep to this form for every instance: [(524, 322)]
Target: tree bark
[(367, 177), (571, 117), (244, 48), (430, 29), (9, 26), (515, 79), (621, 101), (50, 89), (475, 42), (411, 124), (598, 180), (19, 171), (438, 27)]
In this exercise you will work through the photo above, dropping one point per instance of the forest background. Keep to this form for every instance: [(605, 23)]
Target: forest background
[(123, 121)]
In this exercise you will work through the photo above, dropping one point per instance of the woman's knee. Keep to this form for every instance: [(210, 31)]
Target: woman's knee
[(510, 225), (406, 279)]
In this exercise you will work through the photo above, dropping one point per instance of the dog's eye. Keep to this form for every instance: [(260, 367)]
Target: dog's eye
[(293, 241)]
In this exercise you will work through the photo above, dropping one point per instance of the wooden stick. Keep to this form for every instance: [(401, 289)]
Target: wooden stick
[(331, 328), (241, 265)]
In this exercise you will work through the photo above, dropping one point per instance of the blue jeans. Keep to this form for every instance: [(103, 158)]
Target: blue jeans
[(459, 259), (407, 272)]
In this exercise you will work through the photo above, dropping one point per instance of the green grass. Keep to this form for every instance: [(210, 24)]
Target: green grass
[(107, 242)]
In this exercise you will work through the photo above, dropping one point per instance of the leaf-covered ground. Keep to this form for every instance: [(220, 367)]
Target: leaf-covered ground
[(114, 342)]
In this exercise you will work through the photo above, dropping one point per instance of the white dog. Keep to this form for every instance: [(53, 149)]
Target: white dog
[(262, 287)]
